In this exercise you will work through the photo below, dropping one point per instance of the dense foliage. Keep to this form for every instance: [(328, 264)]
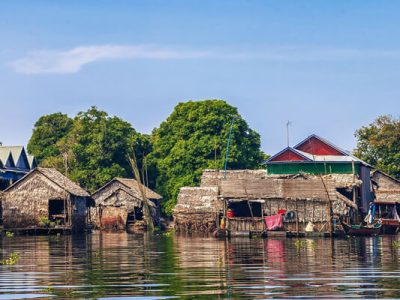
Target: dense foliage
[(194, 138), (92, 150), (47, 132), (93, 147), (379, 144)]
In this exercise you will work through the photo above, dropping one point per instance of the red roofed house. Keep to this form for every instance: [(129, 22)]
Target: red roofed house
[(317, 156)]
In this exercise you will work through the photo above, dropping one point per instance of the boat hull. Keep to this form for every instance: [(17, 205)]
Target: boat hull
[(361, 230)]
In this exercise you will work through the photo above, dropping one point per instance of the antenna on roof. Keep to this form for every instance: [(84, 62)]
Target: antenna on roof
[(287, 131)]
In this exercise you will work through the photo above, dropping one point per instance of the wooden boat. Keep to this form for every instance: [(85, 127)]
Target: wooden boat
[(362, 230)]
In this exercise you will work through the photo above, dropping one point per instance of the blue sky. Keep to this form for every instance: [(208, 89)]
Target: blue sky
[(329, 67)]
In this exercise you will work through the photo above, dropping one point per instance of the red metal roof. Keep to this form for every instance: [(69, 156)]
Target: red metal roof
[(317, 146)]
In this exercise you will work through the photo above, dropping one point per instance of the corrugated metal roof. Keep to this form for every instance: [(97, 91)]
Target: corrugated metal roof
[(5, 154), (346, 157), (32, 161), (322, 140), (330, 158)]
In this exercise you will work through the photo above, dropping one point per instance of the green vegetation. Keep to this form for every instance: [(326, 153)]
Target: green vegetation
[(12, 260), (48, 131), (379, 144), (395, 244), (300, 244), (93, 147), (194, 138), (9, 234), (44, 222)]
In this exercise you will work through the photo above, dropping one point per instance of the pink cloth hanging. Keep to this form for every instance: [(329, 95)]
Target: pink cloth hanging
[(274, 222)]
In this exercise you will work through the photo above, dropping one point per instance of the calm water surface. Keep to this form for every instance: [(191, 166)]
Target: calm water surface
[(119, 265)]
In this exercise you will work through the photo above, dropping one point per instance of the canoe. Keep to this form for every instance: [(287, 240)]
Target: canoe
[(361, 230)]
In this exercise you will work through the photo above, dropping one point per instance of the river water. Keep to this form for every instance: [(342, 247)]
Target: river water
[(120, 265)]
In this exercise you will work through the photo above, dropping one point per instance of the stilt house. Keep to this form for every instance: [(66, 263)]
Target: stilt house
[(119, 204), (252, 195), (44, 197), (314, 182), (317, 156)]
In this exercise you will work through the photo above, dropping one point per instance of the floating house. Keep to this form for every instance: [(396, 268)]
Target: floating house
[(317, 156), (308, 187), (44, 198), (14, 164), (386, 190), (119, 205), (246, 197)]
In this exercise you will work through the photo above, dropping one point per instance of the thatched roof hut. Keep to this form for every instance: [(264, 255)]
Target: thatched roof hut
[(45, 195), (386, 187), (253, 194), (120, 201)]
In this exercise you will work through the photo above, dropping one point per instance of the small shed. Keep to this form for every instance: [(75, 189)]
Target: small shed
[(119, 204), (45, 197)]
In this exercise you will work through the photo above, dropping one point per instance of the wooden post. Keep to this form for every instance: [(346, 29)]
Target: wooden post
[(297, 218), (313, 211)]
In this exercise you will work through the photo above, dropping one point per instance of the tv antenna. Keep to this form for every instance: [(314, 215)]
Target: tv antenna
[(287, 132)]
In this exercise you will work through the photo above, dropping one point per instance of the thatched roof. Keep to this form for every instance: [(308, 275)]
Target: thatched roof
[(122, 192), (386, 187), (289, 187), (134, 185), (57, 178)]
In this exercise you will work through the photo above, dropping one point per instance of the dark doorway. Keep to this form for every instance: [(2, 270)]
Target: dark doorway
[(244, 209), (57, 211)]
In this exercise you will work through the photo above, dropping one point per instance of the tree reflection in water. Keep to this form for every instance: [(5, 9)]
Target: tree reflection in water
[(113, 265)]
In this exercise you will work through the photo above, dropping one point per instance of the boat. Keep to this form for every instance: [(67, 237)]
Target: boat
[(362, 230)]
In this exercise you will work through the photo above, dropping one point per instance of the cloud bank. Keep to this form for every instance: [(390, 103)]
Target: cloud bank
[(72, 61)]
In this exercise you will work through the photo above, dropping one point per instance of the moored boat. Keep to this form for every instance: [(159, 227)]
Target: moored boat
[(362, 230)]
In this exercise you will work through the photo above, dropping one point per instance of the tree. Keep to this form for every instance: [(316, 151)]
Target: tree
[(194, 138), (379, 144), (48, 131), (95, 149)]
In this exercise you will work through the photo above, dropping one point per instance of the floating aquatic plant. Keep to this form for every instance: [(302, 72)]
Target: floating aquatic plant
[(9, 234), (12, 260)]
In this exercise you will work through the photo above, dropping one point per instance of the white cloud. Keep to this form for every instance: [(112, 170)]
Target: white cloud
[(71, 61)]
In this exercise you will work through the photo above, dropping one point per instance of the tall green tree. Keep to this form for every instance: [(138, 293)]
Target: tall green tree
[(96, 149), (379, 144), (194, 138), (48, 131)]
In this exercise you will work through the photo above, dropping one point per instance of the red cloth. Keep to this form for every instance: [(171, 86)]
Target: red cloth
[(274, 222), (281, 211)]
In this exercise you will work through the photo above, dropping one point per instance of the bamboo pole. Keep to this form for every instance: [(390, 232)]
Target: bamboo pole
[(146, 209), (297, 219)]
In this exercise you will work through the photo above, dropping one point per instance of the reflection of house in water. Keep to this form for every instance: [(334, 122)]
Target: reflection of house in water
[(315, 181), (14, 164), (119, 204), (45, 194)]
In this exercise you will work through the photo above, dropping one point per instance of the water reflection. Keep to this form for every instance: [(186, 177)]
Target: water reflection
[(116, 265)]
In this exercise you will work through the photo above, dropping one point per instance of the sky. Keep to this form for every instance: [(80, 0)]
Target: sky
[(328, 67)]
